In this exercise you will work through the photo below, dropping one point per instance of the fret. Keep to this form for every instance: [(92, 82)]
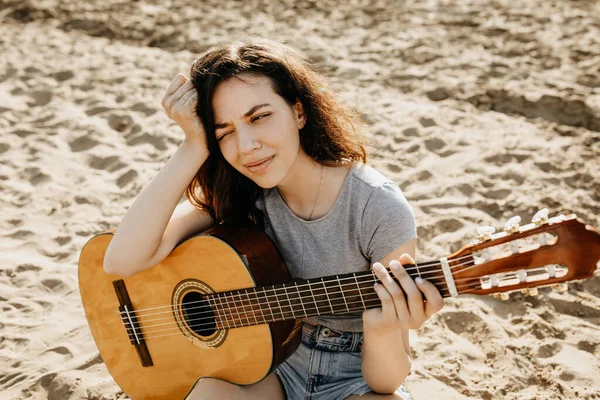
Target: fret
[(289, 301), (327, 294), (369, 290), (360, 292), (259, 306), (279, 304), (269, 305), (243, 309), (226, 309), (217, 298), (342, 292), (313, 297), (215, 311), (253, 311), (300, 298), (231, 310)]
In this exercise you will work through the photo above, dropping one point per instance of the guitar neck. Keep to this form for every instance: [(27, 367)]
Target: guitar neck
[(330, 295)]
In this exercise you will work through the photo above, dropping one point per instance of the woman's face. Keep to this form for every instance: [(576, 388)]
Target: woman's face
[(254, 124)]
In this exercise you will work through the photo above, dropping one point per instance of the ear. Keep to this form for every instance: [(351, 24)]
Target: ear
[(300, 115)]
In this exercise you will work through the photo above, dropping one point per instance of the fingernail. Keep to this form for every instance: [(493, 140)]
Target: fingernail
[(419, 280), (378, 266), (394, 264)]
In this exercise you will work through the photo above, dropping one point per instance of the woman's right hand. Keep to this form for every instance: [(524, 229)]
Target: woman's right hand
[(180, 102)]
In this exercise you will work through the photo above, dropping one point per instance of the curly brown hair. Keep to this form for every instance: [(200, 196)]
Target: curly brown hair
[(333, 133)]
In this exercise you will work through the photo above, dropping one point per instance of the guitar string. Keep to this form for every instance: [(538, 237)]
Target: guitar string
[(225, 323), (370, 278), (371, 302), (258, 297), (254, 310), (433, 263), (219, 318), (257, 294)]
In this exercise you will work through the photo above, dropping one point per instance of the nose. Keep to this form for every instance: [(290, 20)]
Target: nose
[(247, 142)]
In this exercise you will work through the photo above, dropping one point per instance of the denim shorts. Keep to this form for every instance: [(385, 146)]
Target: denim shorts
[(326, 366)]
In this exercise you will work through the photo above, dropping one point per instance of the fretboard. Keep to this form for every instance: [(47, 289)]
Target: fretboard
[(331, 295)]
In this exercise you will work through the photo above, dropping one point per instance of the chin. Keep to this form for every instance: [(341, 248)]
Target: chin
[(266, 183)]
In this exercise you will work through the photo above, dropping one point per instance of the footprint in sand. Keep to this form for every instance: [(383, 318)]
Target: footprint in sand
[(426, 122), (508, 157), (64, 385), (467, 324), (143, 108), (62, 76), (62, 240), (97, 110), (588, 346), (127, 178), (549, 350), (434, 144), (497, 194), (52, 284), (39, 98), (577, 309), (411, 131), (21, 234), (22, 133), (35, 176), (110, 163), (83, 143), (157, 142), (119, 122)]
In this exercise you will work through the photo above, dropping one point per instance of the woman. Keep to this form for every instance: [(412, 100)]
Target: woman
[(266, 142)]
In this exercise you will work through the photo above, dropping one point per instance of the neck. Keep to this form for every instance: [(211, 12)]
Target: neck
[(300, 185), (336, 294)]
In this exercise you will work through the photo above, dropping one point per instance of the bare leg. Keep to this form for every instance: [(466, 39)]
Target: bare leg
[(211, 388), (375, 396)]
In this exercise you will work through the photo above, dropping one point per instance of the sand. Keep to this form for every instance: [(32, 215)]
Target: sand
[(478, 110)]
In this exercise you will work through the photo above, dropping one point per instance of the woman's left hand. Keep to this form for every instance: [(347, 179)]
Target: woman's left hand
[(397, 311)]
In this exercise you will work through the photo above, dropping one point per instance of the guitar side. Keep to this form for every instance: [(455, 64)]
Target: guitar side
[(223, 260)]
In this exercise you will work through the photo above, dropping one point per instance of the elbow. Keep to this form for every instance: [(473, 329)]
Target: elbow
[(112, 268), (387, 383), (109, 267)]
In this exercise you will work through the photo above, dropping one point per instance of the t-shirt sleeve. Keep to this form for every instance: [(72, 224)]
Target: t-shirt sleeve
[(388, 222)]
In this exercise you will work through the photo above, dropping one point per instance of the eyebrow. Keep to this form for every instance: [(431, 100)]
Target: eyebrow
[(247, 114)]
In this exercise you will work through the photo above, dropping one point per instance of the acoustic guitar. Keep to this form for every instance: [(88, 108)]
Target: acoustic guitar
[(223, 304)]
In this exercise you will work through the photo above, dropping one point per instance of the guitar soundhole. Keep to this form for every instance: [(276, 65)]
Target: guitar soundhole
[(198, 314)]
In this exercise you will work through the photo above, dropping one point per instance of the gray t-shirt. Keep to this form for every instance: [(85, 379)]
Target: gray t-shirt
[(369, 219)]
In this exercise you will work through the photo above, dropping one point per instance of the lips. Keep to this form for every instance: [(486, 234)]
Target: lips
[(255, 163), (261, 166)]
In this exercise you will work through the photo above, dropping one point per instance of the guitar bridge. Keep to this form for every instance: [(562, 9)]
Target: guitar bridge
[(132, 326)]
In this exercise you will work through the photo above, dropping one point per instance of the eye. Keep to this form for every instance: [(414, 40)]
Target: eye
[(260, 116), (222, 136)]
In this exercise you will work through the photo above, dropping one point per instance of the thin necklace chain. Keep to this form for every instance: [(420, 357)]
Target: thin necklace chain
[(317, 197)]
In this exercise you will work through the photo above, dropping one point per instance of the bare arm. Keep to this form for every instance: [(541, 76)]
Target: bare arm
[(386, 349), (151, 229), (144, 229)]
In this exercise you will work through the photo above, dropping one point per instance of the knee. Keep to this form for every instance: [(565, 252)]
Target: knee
[(212, 388)]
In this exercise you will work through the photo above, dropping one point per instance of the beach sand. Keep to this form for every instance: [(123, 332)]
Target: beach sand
[(479, 110)]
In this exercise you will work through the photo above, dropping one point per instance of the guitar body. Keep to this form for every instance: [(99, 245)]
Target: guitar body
[(217, 260)]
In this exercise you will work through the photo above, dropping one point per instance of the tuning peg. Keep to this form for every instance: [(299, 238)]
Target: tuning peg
[(540, 217), (485, 233), (502, 296), (512, 225), (561, 287), (530, 291)]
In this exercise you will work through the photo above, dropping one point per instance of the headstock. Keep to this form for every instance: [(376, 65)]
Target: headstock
[(545, 252)]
